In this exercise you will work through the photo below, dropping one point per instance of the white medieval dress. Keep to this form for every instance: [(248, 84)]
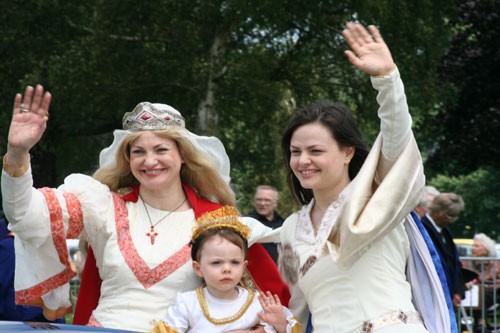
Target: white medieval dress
[(351, 273)]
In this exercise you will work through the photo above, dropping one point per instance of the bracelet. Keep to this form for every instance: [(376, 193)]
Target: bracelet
[(14, 172)]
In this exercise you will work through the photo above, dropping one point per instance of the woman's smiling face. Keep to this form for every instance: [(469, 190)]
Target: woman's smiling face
[(155, 161), (316, 158)]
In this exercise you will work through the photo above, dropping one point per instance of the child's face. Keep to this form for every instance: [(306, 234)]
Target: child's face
[(221, 265)]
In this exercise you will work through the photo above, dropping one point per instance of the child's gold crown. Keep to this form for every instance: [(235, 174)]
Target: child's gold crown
[(225, 216)]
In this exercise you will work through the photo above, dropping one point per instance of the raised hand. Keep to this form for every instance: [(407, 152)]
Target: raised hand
[(368, 52), (273, 311), (29, 121)]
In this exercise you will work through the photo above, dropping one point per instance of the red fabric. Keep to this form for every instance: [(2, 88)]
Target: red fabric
[(261, 266), (265, 273), (90, 287)]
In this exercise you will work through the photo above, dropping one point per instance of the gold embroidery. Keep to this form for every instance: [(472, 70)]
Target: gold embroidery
[(14, 172), (124, 190), (393, 318), (248, 282), (161, 327), (308, 264), (297, 328), (225, 216), (227, 320)]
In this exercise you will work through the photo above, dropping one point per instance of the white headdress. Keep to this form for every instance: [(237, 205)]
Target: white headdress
[(149, 117)]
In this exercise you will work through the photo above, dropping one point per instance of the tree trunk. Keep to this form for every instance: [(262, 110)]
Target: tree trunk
[(208, 117)]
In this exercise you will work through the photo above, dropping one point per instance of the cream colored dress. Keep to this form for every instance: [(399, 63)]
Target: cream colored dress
[(351, 274)]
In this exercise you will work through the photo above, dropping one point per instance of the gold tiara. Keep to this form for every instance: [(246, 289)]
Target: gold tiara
[(148, 117), (225, 216)]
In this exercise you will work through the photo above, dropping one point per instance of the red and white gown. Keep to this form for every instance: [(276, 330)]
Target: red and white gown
[(139, 279)]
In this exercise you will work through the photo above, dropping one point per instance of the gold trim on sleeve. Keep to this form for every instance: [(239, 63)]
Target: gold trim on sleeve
[(161, 327), (14, 172)]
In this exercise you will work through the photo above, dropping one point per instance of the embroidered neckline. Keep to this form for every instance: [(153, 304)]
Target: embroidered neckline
[(221, 321), (305, 229), (146, 276)]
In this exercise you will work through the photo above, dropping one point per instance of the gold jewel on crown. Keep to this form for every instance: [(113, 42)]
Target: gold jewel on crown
[(148, 117), (225, 216)]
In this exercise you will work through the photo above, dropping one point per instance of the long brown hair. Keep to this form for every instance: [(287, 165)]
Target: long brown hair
[(337, 118)]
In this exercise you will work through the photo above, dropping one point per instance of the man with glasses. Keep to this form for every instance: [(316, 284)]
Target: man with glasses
[(266, 201), (444, 210)]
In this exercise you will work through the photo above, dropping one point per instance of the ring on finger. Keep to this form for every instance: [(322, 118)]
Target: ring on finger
[(23, 108)]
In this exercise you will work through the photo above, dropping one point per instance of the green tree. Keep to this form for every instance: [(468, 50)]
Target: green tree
[(461, 139), (465, 131), (482, 209), (235, 69)]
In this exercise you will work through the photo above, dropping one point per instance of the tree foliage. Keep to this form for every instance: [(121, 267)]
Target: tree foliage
[(482, 209), (462, 141), (235, 69), (466, 128)]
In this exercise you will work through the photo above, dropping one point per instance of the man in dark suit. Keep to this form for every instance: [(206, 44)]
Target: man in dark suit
[(444, 211)]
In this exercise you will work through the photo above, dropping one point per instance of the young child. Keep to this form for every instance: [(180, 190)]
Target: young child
[(224, 303)]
